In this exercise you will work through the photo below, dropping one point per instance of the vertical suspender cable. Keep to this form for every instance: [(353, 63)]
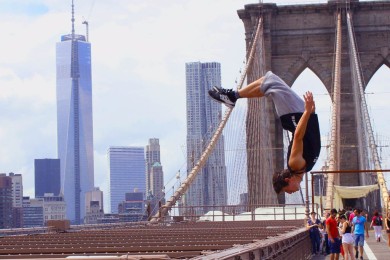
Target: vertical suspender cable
[(371, 141)]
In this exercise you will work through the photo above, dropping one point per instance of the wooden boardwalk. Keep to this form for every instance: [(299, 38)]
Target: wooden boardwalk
[(372, 250)]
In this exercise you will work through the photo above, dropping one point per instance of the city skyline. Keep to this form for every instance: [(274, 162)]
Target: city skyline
[(138, 61)]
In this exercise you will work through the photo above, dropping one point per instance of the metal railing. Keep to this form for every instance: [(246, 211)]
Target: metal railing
[(238, 212)]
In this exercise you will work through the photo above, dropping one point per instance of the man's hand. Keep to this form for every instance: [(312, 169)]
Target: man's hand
[(310, 105)]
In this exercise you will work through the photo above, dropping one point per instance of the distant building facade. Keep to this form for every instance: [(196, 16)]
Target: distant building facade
[(94, 206), (74, 121), (32, 213), (95, 214), (5, 201), (17, 200), (127, 172), (152, 155), (133, 208), (47, 176), (54, 207), (203, 117)]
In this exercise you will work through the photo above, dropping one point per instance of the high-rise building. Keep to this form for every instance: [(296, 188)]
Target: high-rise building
[(74, 121), (17, 200), (152, 155), (203, 117), (127, 172), (5, 201), (17, 190), (47, 176), (157, 181)]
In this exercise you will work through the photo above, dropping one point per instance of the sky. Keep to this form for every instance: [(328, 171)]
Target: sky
[(139, 51)]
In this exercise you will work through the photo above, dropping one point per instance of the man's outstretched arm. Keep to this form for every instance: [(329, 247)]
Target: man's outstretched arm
[(296, 160)]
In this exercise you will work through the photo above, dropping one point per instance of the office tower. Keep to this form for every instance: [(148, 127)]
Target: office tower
[(17, 199), (94, 206), (5, 201), (32, 212), (157, 181), (47, 176), (203, 116), (127, 172), (74, 121), (17, 189), (152, 155)]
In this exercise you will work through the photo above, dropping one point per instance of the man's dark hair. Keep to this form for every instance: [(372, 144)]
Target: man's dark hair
[(278, 180), (333, 211)]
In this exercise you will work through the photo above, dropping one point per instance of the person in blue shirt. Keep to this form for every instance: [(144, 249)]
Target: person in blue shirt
[(359, 227)]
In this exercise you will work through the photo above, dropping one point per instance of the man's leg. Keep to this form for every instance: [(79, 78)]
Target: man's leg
[(229, 96), (361, 252), (252, 90)]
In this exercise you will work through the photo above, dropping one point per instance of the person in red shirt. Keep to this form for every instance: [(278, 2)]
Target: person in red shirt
[(334, 239), (352, 215), (377, 224)]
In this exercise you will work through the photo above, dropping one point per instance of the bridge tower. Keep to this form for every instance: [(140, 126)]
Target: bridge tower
[(297, 37)]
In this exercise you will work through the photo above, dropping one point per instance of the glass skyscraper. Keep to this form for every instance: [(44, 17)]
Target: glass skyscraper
[(74, 121), (203, 116), (127, 173), (47, 177)]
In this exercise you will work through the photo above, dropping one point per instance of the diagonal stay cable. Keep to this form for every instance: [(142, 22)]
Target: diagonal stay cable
[(203, 158)]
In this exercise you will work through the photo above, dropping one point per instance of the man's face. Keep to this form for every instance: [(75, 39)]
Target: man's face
[(293, 185)]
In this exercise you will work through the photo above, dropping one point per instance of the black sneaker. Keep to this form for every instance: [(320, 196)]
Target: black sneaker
[(225, 96), (357, 255)]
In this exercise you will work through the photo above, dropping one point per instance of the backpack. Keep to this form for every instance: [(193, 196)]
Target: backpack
[(378, 221)]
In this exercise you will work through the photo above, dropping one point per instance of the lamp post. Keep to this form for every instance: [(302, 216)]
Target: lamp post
[(307, 211)]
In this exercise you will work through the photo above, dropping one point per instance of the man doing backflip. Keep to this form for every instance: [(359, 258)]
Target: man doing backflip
[(296, 115)]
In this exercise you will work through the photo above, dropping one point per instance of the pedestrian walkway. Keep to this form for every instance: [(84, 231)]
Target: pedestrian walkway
[(372, 250)]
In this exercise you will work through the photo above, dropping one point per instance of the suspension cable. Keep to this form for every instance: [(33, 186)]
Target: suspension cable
[(334, 152), (202, 160), (364, 110)]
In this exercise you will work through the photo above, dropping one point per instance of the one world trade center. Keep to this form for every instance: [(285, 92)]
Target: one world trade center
[(74, 121)]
